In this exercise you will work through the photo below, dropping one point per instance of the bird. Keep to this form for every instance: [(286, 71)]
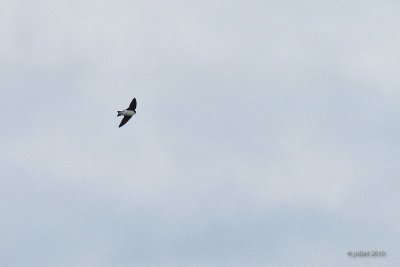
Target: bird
[(127, 113)]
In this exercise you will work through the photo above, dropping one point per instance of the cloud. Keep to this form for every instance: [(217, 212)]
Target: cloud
[(266, 133)]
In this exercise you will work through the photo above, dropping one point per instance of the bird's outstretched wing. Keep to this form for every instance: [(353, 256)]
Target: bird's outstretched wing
[(132, 106), (125, 119)]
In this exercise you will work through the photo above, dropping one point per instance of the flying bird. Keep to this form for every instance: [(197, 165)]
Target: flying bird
[(127, 113)]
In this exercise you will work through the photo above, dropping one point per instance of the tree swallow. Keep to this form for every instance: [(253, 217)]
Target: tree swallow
[(128, 113)]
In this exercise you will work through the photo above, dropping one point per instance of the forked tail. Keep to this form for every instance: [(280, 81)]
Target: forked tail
[(119, 113)]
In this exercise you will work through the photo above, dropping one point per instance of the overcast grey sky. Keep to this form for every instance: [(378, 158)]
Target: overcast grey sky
[(266, 134)]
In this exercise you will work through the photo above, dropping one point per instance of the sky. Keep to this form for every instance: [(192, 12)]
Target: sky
[(266, 133)]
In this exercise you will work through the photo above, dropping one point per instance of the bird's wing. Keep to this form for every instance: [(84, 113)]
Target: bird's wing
[(125, 119), (132, 106)]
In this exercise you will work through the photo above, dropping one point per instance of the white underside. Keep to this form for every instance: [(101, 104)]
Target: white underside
[(128, 113)]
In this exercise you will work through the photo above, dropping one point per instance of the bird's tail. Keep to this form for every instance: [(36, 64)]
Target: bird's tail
[(119, 113)]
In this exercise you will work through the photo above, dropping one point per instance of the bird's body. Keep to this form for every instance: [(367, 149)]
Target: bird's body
[(127, 113)]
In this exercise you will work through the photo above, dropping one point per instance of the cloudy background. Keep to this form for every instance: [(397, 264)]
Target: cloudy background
[(267, 133)]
